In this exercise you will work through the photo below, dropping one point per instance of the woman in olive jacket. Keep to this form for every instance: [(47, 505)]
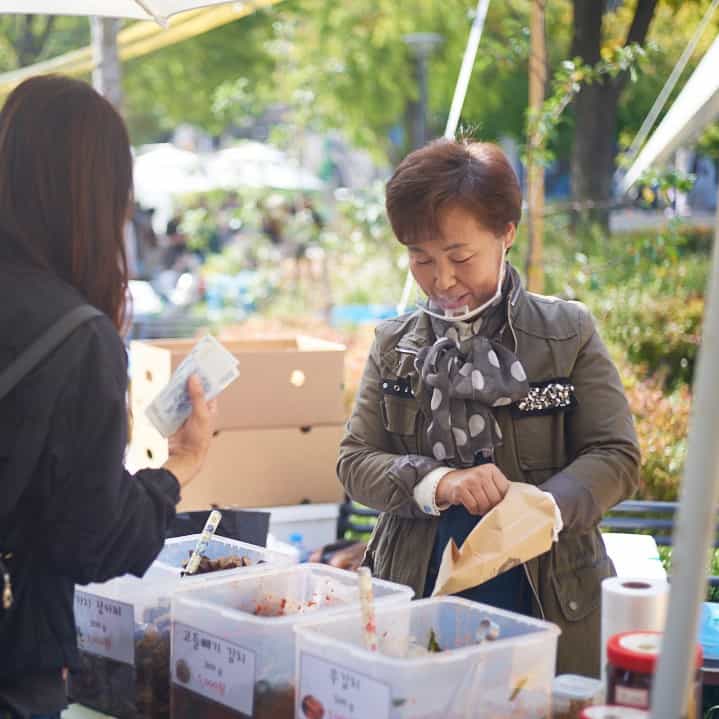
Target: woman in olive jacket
[(484, 385)]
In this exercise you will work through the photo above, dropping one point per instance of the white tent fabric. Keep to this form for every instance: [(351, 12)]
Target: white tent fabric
[(255, 164), (696, 106), (158, 10)]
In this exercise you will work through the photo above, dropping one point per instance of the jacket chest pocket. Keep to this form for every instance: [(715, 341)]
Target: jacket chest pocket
[(399, 416), (540, 441)]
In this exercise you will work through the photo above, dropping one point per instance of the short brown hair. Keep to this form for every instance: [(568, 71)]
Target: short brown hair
[(65, 186), (475, 176)]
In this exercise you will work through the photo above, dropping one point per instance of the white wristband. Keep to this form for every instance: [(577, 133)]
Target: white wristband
[(425, 491), (558, 521)]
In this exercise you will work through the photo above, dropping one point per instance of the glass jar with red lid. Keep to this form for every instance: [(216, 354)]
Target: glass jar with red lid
[(631, 663)]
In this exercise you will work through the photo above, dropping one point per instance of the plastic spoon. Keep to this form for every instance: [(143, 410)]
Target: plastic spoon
[(208, 532), (367, 605)]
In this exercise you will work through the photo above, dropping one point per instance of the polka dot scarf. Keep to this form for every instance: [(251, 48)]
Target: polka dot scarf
[(467, 372)]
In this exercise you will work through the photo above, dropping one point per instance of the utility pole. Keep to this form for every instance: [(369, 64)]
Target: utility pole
[(535, 170), (107, 75), (421, 46)]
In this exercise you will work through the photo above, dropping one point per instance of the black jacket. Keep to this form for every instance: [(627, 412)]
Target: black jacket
[(69, 513)]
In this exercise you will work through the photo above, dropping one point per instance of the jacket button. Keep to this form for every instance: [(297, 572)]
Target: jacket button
[(573, 605)]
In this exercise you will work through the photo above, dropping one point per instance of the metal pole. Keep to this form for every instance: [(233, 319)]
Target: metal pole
[(423, 99), (107, 74), (695, 527), (465, 72)]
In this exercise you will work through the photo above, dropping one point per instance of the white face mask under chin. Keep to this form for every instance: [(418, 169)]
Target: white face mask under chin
[(464, 314)]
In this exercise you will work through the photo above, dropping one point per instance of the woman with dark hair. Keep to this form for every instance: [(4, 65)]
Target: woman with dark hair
[(69, 512), (484, 385)]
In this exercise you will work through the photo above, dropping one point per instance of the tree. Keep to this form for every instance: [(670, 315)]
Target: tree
[(596, 105), (26, 39), (209, 80)]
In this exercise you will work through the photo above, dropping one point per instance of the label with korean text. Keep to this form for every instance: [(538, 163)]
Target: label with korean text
[(105, 627), (213, 668), (330, 691)]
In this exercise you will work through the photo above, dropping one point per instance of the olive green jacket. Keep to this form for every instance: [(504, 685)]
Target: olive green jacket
[(587, 457)]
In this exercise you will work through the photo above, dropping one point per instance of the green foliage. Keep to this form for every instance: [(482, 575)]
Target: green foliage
[(369, 264), (712, 594), (26, 39), (673, 25), (186, 82), (663, 181), (662, 422), (708, 143), (645, 288), (568, 80)]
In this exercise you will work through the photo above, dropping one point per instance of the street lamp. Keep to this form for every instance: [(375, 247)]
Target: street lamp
[(421, 45)]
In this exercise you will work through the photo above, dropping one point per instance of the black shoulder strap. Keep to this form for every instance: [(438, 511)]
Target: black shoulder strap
[(44, 345)]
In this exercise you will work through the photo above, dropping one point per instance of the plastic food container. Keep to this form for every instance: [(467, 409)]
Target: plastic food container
[(124, 628), (572, 693), (468, 678), (632, 660), (605, 712), (233, 641)]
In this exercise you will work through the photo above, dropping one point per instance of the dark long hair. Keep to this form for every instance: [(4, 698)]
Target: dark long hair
[(65, 187)]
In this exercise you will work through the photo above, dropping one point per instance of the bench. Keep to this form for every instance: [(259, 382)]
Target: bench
[(630, 517)]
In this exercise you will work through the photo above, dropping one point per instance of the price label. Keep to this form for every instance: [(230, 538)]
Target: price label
[(330, 691), (105, 627), (213, 667)]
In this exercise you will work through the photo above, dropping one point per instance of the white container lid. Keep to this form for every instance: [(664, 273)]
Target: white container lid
[(178, 549), (606, 712), (325, 631), (578, 688), (336, 589)]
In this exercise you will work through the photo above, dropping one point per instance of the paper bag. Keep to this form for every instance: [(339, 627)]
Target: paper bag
[(522, 526)]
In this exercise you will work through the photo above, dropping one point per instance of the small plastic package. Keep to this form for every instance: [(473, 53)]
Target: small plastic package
[(571, 694)]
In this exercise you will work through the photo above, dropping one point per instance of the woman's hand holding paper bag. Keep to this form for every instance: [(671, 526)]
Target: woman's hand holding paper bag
[(522, 526), (478, 488)]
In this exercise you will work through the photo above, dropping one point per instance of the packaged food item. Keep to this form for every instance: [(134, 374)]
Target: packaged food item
[(436, 658), (124, 626), (233, 641), (572, 693), (606, 712), (632, 661)]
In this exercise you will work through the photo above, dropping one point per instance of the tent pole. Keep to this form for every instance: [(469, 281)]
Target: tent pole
[(465, 72), (695, 526)]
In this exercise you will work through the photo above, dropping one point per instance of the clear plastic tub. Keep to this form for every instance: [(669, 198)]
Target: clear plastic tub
[(571, 694), (468, 679), (124, 628), (233, 641)]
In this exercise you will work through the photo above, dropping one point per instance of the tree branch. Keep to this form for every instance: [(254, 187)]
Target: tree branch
[(639, 28), (638, 31), (42, 40)]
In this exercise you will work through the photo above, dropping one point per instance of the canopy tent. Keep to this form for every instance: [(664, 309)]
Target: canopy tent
[(134, 41), (255, 164), (696, 106), (157, 10)]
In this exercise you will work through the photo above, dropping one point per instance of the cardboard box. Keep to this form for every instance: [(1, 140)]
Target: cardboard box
[(254, 467), (284, 382)]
